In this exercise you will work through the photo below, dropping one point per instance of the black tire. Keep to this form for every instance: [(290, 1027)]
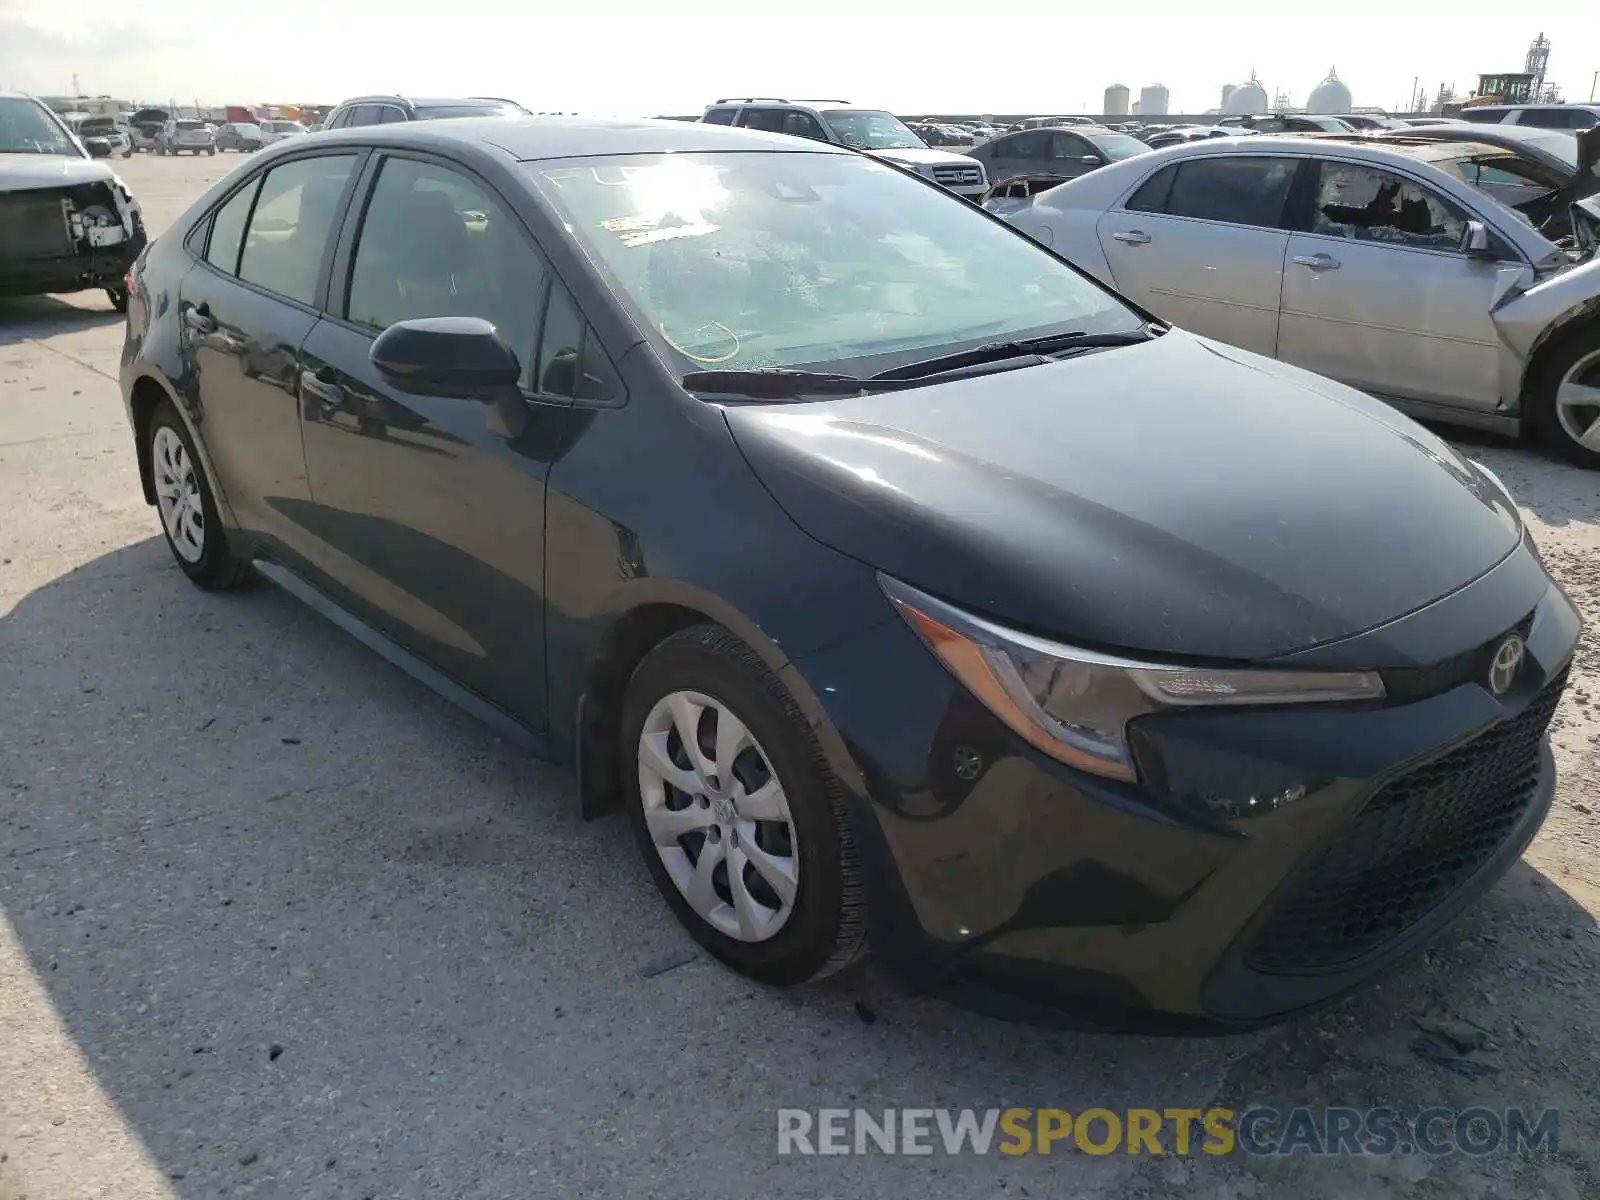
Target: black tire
[(212, 150), (118, 297), (826, 928), (216, 569), (1554, 365)]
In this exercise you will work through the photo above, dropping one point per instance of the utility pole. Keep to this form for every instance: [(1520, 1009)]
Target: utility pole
[(1592, 83)]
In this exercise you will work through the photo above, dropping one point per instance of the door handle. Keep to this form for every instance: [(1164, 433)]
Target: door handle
[(1132, 237), (198, 318), (1318, 262), (325, 392)]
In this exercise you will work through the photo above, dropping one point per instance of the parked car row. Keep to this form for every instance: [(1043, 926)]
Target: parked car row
[(950, 603)]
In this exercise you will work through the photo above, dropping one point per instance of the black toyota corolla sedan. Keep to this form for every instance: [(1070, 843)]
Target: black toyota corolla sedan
[(901, 583)]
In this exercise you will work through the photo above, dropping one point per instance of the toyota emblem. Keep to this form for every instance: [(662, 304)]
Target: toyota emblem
[(1507, 662)]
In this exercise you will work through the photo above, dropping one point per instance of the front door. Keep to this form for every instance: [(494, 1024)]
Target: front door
[(1200, 245), (245, 310), (430, 509), (1379, 294)]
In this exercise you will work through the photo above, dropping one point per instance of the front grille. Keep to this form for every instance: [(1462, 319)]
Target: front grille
[(34, 225), (1412, 844), (957, 176)]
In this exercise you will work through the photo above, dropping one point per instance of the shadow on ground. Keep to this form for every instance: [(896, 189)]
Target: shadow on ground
[(23, 318), (318, 934)]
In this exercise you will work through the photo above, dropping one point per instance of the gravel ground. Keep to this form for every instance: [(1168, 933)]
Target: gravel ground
[(276, 921)]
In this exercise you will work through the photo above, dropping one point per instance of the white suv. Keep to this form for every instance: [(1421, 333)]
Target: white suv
[(1542, 116), (871, 130)]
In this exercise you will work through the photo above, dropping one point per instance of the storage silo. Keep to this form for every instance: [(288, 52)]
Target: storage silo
[(1116, 102), (1228, 89), (1329, 96), (1153, 100)]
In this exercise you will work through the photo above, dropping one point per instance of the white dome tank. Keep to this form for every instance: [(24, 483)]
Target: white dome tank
[(1329, 96), (1246, 99)]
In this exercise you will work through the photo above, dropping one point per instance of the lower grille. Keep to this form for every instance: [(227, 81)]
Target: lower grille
[(1414, 842), (33, 225)]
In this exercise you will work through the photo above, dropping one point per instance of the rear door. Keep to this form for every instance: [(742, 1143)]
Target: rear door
[(1379, 294), (1201, 244), (245, 309), (430, 509)]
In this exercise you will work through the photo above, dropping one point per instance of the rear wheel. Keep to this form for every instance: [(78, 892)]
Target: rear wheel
[(1566, 398), (187, 505), (738, 819)]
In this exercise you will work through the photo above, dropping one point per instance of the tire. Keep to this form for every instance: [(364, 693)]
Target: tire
[(213, 150), (711, 673), (1565, 403), (118, 297), (205, 559)]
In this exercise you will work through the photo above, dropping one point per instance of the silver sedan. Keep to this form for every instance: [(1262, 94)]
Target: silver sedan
[(1373, 265)]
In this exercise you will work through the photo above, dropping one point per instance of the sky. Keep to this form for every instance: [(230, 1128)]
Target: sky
[(647, 57)]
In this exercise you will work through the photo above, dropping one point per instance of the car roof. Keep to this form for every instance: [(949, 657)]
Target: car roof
[(526, 137), (421, 101)]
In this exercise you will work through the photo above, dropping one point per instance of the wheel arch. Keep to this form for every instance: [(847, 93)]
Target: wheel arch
[(641, 617), (1576, 320), (145, 395)]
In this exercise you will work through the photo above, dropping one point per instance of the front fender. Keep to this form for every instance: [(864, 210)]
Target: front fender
[(1527, 322)]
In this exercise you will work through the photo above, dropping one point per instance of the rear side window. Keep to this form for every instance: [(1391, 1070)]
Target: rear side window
[(293, 218), (365, 114), (1234, 191), (227, 229), (719, 116), (1153, 192)]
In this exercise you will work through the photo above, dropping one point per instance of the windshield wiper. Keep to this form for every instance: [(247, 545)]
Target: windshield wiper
[(1037, 347), (777, 383)]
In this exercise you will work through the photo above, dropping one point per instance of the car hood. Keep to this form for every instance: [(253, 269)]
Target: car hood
[(27, 172), (925, 157), (1178, 497)]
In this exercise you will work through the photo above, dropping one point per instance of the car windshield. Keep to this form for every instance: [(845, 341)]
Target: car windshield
[(247, 129), (869, 129), (754, 260), (1117, 145), (435, 112), (27, 128)]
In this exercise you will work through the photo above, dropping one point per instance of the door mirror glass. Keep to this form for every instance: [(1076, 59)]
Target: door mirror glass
[(464, 357), (1475, 240)]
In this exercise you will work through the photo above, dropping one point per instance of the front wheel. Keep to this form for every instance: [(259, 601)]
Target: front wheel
[(1566, 398), (740, 821), (212, 150), (188, 506)]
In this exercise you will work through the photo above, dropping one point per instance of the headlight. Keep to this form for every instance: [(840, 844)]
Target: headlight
[(1074, 704)]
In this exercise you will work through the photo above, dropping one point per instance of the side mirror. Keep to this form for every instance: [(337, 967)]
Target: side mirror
[(463, 357), (97, 147), (1475, 240)]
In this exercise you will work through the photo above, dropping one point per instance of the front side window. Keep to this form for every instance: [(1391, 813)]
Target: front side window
[(1367, 204), (768, 120), (803, 124), (1033, 144), (772, 259), (290, 227), (436, 244), (870, 129), (1069, 147), (1234, 191), (227, 229), (27, 127)]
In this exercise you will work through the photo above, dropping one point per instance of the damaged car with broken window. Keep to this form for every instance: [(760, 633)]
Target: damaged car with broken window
[(69, 224)]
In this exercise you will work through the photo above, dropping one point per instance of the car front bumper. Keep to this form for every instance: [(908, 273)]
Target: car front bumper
[(1269, 861)]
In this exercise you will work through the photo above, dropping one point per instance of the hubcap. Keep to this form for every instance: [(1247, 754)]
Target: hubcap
[(178, 495), (1578, 402), (718, 816)]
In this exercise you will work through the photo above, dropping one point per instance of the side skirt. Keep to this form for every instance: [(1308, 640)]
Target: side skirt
[(537, 744)]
